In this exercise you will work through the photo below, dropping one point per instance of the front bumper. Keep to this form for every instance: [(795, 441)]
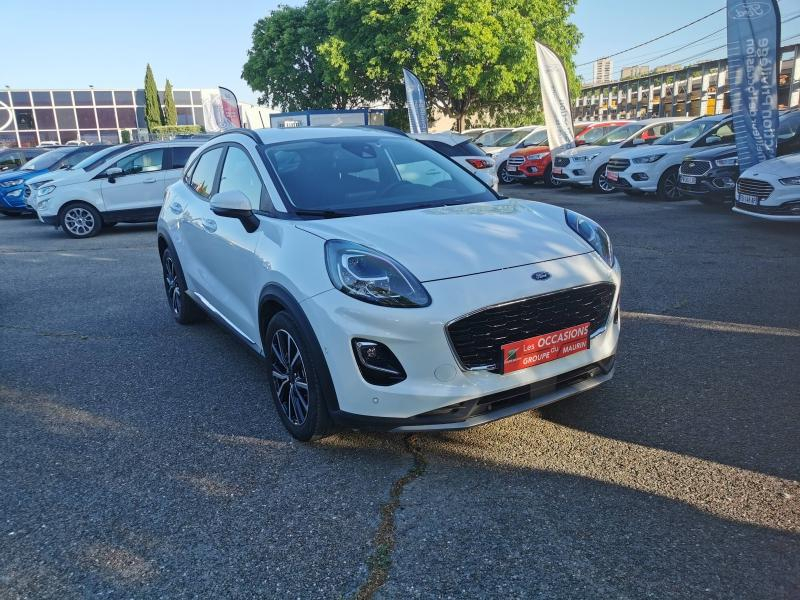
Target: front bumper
[(577, 173), (712, 184), (529, 170), (636, 177), (13, 200), (435, 380)]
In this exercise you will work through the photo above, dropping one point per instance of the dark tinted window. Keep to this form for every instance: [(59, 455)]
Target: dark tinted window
[(106, 118), (126, 118), (103, 98), (238, 173), (180, 154), (21, 98), (789, 126), (41, 99), (86, 118), (123, 98), (45, 119), (83, 98), (62, 98), (202, 180), (66, 118), (24, 118), (182, 97)]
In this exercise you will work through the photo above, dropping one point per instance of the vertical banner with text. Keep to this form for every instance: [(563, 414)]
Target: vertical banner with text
[(555, 99), (415, 99), (753, 60)]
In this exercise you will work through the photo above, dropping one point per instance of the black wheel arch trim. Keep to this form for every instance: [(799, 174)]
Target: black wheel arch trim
[(277, 295)]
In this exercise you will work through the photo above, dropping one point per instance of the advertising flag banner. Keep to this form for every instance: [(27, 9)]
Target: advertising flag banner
[(555, 99), (415, 99), (230, 107), (753, 55)]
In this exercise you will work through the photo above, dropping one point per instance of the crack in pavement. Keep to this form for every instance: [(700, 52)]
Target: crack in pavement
[(384, 539)]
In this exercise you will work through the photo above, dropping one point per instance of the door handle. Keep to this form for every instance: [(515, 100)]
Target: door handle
[(151, 180), (210, 225), (176, 207)]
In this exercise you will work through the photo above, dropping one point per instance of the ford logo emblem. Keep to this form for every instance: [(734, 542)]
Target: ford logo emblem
[(541, 275)]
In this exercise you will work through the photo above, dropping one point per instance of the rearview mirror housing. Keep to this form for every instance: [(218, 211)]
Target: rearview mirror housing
[(113, 173), (235, 205)]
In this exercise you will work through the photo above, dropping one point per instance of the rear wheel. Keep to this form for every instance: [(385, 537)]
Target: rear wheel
[(80, 220), (504, 176), (294, 380), (600, 184), (668, 185)]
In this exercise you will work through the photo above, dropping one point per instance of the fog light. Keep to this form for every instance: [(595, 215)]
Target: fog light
[(378, 365), (640, 177), (578, 172), (723, 182)]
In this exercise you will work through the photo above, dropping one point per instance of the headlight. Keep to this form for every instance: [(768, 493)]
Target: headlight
[(594, 235), (537, 156), (37, 184), (371, 276), (727, 162), (43, 191), (790, 181), (12, 182), (650, 158), (585, 157)]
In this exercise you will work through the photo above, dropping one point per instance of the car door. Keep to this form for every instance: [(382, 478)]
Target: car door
[(139, 186), (225, 242)]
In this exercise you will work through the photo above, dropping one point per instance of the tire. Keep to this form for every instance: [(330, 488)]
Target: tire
[(294, 380), (600, 184), (668, 186), (547, 178), (184, 310), (80, 220), (503, 176)]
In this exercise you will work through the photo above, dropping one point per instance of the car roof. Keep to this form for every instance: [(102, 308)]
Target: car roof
[(291, 134)]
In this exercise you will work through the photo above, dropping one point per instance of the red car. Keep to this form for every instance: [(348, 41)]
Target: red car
[(533, 163)]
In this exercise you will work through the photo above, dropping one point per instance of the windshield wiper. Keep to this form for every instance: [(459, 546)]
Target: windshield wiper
[(325, 214)]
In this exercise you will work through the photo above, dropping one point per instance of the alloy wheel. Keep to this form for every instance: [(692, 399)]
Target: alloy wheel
[(289, 377), (504, 176), (604, 184), (79, 221), (172, 285), (671, 191)]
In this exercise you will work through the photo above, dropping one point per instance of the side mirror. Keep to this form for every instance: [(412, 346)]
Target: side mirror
[(235, 205), (479, 144), (713, 139), (113, 173), (580, 143)]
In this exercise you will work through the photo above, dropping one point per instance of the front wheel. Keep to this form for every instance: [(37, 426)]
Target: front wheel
[(80, 220), (600, 184), (504, 176), (294, 380), (183, 308), (668, 185)]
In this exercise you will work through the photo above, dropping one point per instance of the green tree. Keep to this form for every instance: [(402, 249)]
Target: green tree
[(152, 107), (286, 66), (474, 57), (170, 112)]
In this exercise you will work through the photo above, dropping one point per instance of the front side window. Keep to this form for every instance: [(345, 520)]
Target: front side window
[(363, 175), (620, 134), (789, 127), (723, 133), (202, 179), (490, 138), (513, 137), (686, 133), (595, 133), (238, 173), (141, 162)]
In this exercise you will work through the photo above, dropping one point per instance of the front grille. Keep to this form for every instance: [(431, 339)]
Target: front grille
[(516, 160), (477, 338), (754, 187), (695, 167), (618, 164), (561, 161)]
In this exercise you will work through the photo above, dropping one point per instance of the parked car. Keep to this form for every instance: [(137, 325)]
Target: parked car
[(474, 133), (489, 138), (534, 163), (770, 190), (460, 149), (533, 136), (379, 301), (585, 166), (125, 187), (49, 144), (509, 139), (654, 168), (710, 176), (12, 159), (12, 183)]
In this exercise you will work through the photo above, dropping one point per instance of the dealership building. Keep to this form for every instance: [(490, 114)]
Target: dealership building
[(699, 89), (30, 117)]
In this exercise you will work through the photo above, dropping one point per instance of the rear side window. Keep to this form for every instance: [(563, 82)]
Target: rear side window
[(180, 154), (202, 179)]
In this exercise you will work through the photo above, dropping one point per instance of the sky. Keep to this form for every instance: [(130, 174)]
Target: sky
[(198, 43)]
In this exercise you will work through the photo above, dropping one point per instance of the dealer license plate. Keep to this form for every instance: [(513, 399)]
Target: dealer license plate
[(511, 168), (557, 171), (612, 175), (747, 199), (544, 348), (688, 179)]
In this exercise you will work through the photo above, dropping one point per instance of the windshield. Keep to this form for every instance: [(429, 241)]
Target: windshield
[(686, 133), (512, 137), (362, 175), (490, 138), (789, 126), (93, 160), (620, 134), (538, 138), (46, 160)]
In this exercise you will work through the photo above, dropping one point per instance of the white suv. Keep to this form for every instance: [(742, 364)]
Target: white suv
[(585, 166), (126, 183), (655, 168), (381, 296)]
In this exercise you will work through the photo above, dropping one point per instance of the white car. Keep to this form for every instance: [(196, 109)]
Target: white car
[(517, 139), (585, 166), (770, 190), (489, 137), (654, 168), (460, 149), (378, 298), (127, 186)]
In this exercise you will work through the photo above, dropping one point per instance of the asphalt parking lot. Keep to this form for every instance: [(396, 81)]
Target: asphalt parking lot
[(139, 458)]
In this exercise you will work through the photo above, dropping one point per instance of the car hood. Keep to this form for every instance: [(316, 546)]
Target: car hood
[(62, 177), (18, 174), (713, 153), (453, 241), (585, 149), (531, 150), (785, 166), (650, 149)]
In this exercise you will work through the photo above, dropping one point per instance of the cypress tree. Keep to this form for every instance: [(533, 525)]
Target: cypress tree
[(170, 112), (152, 107)]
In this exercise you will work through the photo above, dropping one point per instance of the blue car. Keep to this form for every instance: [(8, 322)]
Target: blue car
[(12, 183)]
